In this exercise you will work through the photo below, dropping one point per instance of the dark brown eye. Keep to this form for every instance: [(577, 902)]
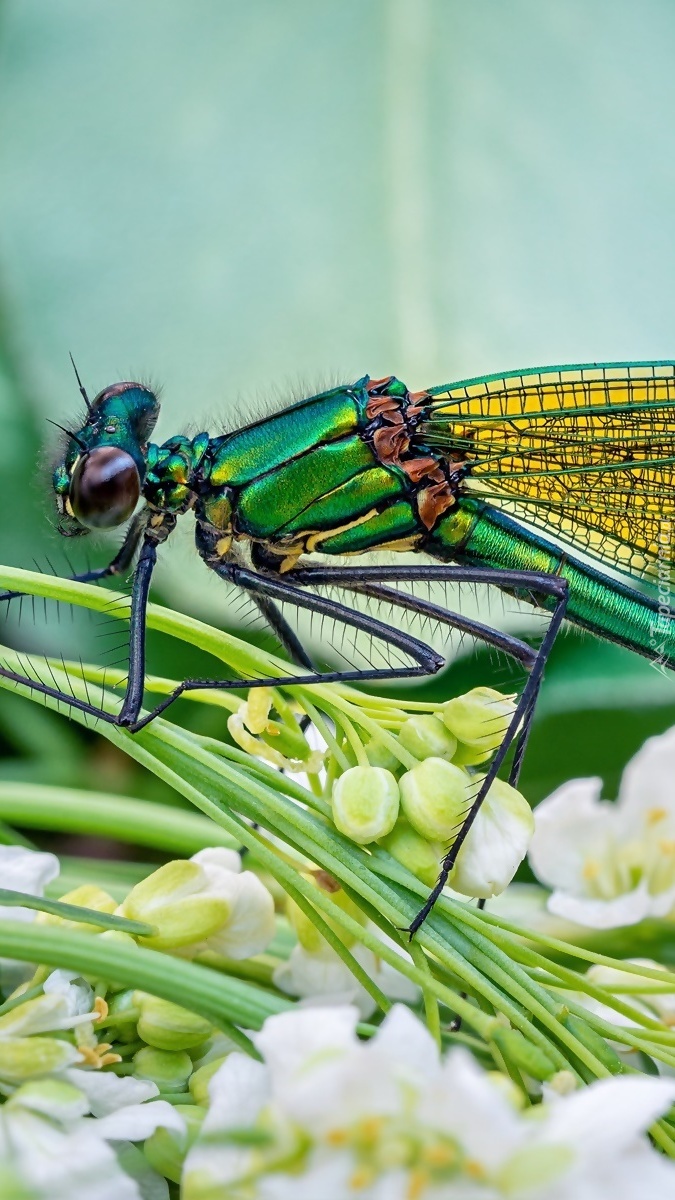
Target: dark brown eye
[(104, 488)]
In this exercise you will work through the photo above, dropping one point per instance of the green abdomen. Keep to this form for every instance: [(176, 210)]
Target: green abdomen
[(476, 534)]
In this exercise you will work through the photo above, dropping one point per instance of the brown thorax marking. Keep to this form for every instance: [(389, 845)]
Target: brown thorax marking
[(393, 421)]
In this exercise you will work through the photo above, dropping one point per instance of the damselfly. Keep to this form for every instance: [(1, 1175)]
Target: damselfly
[(464, 474)]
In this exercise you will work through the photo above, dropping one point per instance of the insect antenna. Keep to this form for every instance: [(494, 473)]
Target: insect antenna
[(78, 441), (83, 390)]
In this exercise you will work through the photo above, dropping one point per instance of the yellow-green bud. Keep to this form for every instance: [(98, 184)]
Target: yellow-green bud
[(307, 932), (201, 1078), (365, 803), (593, 1041), (524, 1054), (425, 736), (86, 896), (169, 1069), (168, 1026), (434, 798), (122, 1006), (166, 1149), (479, 719), (470, 756), (29, 1058), (419, 855), (178, 900), (379, 755)]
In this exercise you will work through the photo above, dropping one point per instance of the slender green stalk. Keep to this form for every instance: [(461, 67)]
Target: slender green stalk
[(227, 1002)]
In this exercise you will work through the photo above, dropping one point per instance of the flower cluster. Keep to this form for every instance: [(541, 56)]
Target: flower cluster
[(85, 1062), (416, 813), (326, 1115), (217, 1031), (611, 864)]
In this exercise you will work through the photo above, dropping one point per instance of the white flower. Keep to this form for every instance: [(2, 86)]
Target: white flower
[(22, 870), (388, 1119), (250, 926), (204, 903), (320, 977), (66, 1001), (611, 864), (58, 1152)]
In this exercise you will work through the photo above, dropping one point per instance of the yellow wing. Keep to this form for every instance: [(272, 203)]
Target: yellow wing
[(587, 452)]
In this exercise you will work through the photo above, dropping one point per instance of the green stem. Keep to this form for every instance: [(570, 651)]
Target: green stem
[(140, 821), (226, 1002)]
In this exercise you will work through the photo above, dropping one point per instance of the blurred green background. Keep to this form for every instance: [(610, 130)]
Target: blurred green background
[(241, 201)]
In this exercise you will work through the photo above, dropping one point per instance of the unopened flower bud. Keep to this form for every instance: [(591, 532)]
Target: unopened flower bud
[(365, 803), (379, 755), (307, 932), (496, 843), (168, 1026), (86, 896), (123, 1015), (50, 1098), (166, 1149), (593, 1041), (413, 851), (201, 1078), (524, 1054), (434, 798), (169, 1069), (180, 902), (425, 736), (29, 1058), (479, 719)]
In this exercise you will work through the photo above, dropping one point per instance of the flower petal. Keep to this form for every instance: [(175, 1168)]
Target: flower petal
[(136, 1122), (218, 858), (647, 781), (107, 1093), (569, 826), (24, 870), (602, 1118), (237, 1092), (290, 1041), (627, 909)]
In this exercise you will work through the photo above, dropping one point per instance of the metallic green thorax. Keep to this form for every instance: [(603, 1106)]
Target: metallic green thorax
[(340, 473)]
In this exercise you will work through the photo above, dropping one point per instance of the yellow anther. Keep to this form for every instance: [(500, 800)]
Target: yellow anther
[(100, 1008), (667, 846), (654, 815), (591, 869), (417, 1185), (99, 1056), (337, 1137), (440, 1154), (362, 1178), (474, 1170), (369, 1129)]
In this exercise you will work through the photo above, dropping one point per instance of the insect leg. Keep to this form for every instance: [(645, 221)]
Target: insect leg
[(133, 696), (287, 636), (367, 580), (119, 565)]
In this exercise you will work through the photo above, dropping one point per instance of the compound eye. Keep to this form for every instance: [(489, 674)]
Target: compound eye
[(104, 488)]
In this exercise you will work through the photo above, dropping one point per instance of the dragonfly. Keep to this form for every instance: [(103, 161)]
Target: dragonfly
[(556, 485)]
